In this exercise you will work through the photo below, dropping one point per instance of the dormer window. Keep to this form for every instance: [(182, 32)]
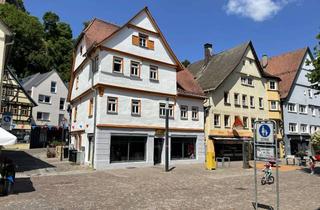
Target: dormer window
[(272, 85), (143, 40)]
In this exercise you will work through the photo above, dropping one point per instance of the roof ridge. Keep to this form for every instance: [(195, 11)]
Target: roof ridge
[(289, 52)]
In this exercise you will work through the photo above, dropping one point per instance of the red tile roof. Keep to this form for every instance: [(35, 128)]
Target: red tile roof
[(187, 85), (97, 31), (286, 67)]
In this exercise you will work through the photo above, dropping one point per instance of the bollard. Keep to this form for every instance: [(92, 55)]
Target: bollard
[(210, 156)]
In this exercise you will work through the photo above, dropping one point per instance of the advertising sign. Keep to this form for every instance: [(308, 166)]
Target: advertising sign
[(265, 153), (265, 133)]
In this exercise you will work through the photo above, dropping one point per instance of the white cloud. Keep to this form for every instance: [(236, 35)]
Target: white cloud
[(258, 10)]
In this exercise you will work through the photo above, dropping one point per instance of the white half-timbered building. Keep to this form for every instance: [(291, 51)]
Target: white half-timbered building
[(121, 79)]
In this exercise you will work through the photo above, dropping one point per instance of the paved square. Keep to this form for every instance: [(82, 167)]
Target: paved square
[(185, 187)]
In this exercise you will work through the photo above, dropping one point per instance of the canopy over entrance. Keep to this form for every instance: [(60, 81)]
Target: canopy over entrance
[(6, 138)]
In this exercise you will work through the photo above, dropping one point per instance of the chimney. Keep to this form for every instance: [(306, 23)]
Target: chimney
[(207, 53), (264, 61)]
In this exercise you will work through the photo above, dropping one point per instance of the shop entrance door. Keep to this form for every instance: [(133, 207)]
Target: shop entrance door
[(158, 144)]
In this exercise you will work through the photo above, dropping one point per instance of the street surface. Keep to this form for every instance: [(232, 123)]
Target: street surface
[(184, 187)]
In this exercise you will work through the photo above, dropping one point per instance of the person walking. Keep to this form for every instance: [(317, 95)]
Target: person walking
[(312, 164)]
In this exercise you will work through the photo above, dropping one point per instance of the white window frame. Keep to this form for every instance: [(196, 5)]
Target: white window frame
[(143, 40), (54, 87), (290, 105), (247, 81), (227, 121), (183, 112), (195, 113), (244, 100), (313, 110), (42, 99), (154, 74), (295, 126), (305, 109), (302, 130), (252, 104), (113, 101), (135, 69), (42, 116), (274, 84), (162, 110), (273, 107), (136, 107), (216, 121), (261, 103)]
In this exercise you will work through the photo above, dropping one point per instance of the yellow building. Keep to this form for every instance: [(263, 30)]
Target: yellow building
[(17, 103), (274, 104), (235, 85)]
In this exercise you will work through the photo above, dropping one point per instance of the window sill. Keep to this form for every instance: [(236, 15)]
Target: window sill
[(135, 77), (217, 126), (252, 107), (237, 105), (183, 118), (245, 106), (154, 80), (303, 113), (44, 103), (292, 112), (113, 113), (135, 115), (90, 116), (195, 119), (118, 73), (247, 85), (261, 108)]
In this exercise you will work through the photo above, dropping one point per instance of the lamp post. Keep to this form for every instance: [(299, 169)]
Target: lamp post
[(167, 138), (62, 139)]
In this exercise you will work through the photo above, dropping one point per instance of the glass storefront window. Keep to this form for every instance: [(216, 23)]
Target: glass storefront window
[(183, 148)]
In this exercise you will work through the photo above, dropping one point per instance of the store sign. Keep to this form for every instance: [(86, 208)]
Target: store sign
[(6, 122), (264, 133), (265, 152), (159, 132)]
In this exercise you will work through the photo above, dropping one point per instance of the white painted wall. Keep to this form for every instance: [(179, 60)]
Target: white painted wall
[(142, 20), (78, 57), (44, 89), (85, 76)]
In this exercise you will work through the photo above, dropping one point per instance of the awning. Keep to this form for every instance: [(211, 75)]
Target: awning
[(6, 138)]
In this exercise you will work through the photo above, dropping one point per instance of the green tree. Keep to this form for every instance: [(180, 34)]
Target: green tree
[(185, 63), (314, 76), (28, 52), (58, 37)]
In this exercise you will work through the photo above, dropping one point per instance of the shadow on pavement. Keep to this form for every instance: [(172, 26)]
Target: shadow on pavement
[(24, 161), (308, 171), (23, 185)]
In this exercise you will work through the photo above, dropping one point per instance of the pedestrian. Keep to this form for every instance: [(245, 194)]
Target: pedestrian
[(312, 164)]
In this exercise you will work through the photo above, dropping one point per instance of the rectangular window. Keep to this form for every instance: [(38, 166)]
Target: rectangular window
[(24, 111), (136, 107), (273, 105), (143, 40), (227, 121), (293, 127), (313, 110), (75, 113), (247, 81), (292, 107), (195, 113), (117, 64), (183, 112), (44, 99), (261, 103), (312, 129), (216, 120), (95, 66), (245, 122), (62, 102), (15, 110), (236, 99), (162, 110), (244, 100), (90, 110), (9, 91), (183, 148), (251, 101), (302, 109), (304, 128), (4, 109), (154, 73), (128, 148), (53, 88), (112, 105), (43, 116), (272, 85), (310, 94), (135, 69), (226, 98)]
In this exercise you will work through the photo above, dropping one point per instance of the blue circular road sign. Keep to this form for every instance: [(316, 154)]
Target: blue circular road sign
[(264, 130)]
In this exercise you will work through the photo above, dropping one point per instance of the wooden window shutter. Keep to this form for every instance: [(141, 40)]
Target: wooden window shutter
[(135, 40), (150, 45)]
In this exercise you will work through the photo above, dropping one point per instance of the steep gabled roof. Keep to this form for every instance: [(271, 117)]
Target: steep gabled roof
[(22, 88), (286, 67), (97, 31), (219, 67), (187, 85), (35, 79)]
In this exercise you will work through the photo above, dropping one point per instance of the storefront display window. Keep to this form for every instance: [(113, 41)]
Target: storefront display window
[(183, 148)]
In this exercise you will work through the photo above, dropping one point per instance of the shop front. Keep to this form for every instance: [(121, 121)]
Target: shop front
[(297, 143)]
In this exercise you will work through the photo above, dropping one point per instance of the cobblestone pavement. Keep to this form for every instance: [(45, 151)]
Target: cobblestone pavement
[(185, 187)]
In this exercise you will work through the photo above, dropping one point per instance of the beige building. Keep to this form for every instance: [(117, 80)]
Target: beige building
[(235, 85), (4, 41)]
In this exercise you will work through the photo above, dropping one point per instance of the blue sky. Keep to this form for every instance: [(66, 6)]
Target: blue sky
[(274, 26)]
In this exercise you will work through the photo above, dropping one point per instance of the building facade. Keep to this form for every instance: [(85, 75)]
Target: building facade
[(50, 92), (235, 85), (121, 81), (5, 33), (16, 103), (300, 104)]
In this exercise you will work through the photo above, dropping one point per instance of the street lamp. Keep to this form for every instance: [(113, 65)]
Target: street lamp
[(167, 137)]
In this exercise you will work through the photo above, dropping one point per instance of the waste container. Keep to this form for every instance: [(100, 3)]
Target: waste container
[(65, 152), (73, 155)]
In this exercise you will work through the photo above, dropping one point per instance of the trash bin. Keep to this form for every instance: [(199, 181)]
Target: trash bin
[(73, 155), (65, 152)]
